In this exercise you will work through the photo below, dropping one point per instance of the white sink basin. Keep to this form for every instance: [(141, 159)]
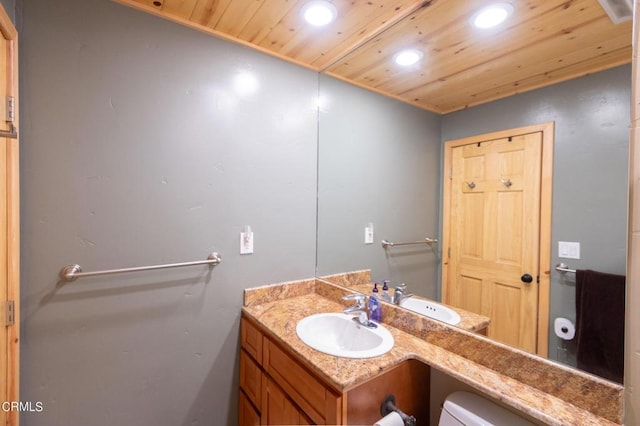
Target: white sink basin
[(339, 335), (431, 309)]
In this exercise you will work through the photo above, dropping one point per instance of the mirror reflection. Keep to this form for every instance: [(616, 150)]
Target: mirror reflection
[(381, 176)]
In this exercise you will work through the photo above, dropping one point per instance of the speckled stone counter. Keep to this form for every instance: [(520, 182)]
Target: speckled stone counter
[(548, 392), (468, 320), (360, 281)]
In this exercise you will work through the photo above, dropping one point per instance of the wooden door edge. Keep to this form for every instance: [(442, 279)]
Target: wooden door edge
[(544, 270), (546, 186), (446, 208), (10, 33)]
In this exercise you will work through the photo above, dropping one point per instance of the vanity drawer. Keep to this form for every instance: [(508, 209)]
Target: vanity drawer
[(250, 378), (251, 339), (311, 395)]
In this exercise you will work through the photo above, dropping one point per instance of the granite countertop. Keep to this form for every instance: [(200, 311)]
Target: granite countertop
[(545, 391), (468, 320)]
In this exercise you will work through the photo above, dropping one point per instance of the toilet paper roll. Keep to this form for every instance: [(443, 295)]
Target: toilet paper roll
[(391, 419), (564, 328)]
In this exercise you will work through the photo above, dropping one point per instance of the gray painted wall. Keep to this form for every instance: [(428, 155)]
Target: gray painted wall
[(137, 151), (592, 116), (10, 8), (379, 162)]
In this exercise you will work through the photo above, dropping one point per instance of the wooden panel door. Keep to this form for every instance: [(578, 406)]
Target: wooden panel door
[(495, 234), (9, 221)]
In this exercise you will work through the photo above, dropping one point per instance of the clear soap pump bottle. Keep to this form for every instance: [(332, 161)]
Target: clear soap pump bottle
[(375, 313), (385, 296)]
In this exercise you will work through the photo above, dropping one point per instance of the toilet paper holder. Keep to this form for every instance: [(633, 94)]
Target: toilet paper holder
[(389, 405)]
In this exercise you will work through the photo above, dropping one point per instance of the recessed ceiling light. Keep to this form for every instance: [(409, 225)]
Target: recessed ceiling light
[(407, 57), (319, 12), (492, 15)]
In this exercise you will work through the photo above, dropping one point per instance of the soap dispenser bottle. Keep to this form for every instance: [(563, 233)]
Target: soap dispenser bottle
[(385, 296), (375, 313)]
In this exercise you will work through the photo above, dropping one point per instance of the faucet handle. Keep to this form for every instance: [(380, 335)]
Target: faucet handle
[(359, 297), (401, 287)]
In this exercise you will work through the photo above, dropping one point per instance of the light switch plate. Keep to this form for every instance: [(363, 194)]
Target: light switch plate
[(568, 250), (368, 234), (246, 242)]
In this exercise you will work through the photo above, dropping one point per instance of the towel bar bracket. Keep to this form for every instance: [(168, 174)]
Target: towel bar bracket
[(563, 268), (12, 133), (70, 272)]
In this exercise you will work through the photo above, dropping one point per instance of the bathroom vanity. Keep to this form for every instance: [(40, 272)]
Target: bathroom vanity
[(279, 387), (284, 381)]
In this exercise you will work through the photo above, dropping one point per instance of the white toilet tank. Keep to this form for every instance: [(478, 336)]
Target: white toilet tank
[(468, 409)]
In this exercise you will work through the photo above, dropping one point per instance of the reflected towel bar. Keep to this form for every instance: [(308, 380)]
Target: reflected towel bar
[(563, 268), (73, 272), (427, 240)]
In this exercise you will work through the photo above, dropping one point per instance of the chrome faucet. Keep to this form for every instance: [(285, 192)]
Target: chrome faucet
[(360, 309), (399, 294)]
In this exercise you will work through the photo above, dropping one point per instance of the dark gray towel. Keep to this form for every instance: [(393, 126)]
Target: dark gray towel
[(600, 323)]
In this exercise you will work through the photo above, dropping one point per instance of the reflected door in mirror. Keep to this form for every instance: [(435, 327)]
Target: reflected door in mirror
[(494, 235)]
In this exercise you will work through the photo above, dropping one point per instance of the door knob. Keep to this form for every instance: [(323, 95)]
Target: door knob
[(526, 278)]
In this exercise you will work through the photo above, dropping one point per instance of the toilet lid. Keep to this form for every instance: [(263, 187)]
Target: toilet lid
[(471, 409)]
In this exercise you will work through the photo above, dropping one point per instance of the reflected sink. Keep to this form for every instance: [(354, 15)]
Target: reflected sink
[(339, 335), (431, 309)]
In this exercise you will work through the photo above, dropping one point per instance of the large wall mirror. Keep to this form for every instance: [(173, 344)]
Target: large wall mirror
[(380, 160), (380, 164)]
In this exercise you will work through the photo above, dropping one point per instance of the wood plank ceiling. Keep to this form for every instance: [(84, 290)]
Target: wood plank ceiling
[(543, 42)]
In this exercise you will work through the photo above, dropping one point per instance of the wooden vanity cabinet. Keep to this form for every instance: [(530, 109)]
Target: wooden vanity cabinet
[(409, 382), (277, 389)]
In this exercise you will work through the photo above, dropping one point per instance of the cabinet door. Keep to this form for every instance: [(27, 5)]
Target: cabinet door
[(277, 409), (250, 378), (302, 387), (248, 416), (251, 339)]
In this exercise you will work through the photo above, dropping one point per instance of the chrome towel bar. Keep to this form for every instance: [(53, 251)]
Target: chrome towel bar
[(563, 268), (73, 272), (427, 240)]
